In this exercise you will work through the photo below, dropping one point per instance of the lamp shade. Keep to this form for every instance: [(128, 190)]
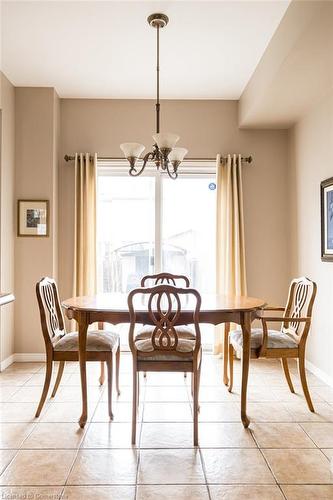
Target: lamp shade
[(132, 149), (166, 140), (177, 154)]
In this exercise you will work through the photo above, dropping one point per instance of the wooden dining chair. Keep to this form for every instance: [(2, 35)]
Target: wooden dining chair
[(167, 278), (287, 342), (184, 331), (165, 350), (62, 346)]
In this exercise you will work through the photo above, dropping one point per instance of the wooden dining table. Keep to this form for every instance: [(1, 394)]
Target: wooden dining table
[(215, 309)]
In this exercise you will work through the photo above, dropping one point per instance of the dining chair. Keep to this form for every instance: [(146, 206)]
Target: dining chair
[(165, 350), (62, 346), (287, 342), (167, 278)]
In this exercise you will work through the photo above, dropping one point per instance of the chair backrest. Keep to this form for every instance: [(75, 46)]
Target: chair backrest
[(168, 278), (302, 293), (51, 315), (164, 306)]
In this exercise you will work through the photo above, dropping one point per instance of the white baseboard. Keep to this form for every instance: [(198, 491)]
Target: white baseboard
[(319, 373), (22, 357), (6, 362)]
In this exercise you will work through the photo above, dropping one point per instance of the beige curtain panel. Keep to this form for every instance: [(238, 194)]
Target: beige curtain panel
[(84, 282), (230, 246)]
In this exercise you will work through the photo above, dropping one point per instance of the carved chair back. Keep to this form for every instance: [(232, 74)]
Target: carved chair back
[(164, 307), (51, 315), (302, 293), (168, 278)]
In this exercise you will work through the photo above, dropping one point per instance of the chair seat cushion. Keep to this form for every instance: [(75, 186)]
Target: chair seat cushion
[(184, 346), (99, 340), (184, 331), (276, 339)]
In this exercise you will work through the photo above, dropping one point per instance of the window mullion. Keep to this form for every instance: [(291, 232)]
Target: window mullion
[(158, 223)]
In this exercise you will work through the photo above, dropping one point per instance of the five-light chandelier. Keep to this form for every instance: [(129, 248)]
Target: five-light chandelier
[(164, 153)]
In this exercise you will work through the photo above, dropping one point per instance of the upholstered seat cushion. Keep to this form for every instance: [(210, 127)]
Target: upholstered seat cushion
[(276, 339), (184, 331), (185, 346), (99, 340)]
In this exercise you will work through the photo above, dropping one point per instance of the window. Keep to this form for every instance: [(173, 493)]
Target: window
[(152, 223)]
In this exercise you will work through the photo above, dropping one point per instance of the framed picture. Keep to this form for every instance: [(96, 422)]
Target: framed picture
[(326, 196), (33, 218)]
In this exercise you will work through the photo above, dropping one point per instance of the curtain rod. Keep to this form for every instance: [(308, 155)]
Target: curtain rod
[(246, 159)]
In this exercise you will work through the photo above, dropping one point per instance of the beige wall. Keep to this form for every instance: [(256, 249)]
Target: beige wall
[(7, 211), (311, 161), (206, 128), (37, 116)]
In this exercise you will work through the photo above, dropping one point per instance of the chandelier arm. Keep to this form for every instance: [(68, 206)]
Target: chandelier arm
[(173, 175), (133, 172)]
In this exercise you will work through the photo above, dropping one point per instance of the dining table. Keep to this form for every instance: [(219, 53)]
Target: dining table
[(215, 310)]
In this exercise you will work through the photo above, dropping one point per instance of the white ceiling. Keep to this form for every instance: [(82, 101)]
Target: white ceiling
[(106, 49)]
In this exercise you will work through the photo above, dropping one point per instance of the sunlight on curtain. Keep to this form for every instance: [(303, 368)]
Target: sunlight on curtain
[(84, 279), (230, 246)]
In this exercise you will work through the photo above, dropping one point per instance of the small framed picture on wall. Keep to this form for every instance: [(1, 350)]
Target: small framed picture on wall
[(326, 197), (33, 218)]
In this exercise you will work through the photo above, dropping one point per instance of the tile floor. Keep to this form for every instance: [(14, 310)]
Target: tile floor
[(286, 453)]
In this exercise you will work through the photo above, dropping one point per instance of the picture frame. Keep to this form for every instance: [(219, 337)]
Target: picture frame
[(33, 218), (326, 202)]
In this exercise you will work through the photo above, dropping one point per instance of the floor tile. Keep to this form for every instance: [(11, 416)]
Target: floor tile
[(54, 436), (99, 493), (109, 435), (280, 435), (213, 394), (167, 435), (320, 433), (13, 434), (104, 467), (170, 467), (299, 466), (14, 379), (66, 412), (25, 394), (301, 413), (268, 412), (236, 466), (166, 412), (19, 412), (225, 435), (70, 393), (308, 492), (5, 457), (164, 394), (176, 492), (122, 412), (6, 392), (219, 412), (33, 468), (239, 492)]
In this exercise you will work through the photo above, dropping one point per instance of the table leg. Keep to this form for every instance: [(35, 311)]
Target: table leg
[(246, 329), (83, 328), (225, 353)]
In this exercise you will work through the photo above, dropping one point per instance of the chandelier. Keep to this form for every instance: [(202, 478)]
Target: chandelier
[(164, 154)]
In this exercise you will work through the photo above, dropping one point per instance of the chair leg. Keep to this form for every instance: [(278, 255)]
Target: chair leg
[(284, 362), (117, 369), (302, 374), (231, 367), (195, 406), (102, 375), (58, 379), (109, 367), (225, 353), (48, 374), (134, 403)]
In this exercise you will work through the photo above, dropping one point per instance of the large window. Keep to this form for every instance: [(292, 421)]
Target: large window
[(151, 224)]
